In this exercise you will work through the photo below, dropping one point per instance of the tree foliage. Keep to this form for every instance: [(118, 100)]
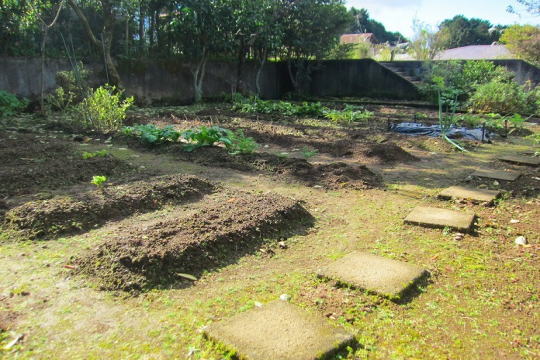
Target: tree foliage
[(461, 31), (363, 23), (524, 41)]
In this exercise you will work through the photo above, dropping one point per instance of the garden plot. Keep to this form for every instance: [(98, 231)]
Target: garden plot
[(337, 175), (219, 231), (37, 163), (67, 214)]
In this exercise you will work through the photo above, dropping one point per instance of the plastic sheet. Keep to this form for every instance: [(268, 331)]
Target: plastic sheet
[(478, 134)]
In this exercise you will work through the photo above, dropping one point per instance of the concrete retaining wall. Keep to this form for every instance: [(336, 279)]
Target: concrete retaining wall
[(171, 82)]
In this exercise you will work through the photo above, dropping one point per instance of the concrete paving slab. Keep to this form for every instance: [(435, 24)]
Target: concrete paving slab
[(521, 160), (435, 217), (497, 174), (466, 193), (279, 330), (374, 273)]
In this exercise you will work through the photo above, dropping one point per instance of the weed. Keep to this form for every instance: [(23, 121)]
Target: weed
[(349, 115), (240, 144), (308, 153), (89, 155)]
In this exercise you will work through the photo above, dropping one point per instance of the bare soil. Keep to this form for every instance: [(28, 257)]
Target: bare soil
[(36, 163), (68, 214), (148, 255)]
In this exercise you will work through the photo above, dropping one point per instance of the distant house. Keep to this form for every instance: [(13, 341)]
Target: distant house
[(476, 52), (358, 38)]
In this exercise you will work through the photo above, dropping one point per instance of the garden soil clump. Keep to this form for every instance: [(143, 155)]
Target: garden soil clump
[(31, 163), (388, 153), (332, 176), (218, 233), (62, 215)]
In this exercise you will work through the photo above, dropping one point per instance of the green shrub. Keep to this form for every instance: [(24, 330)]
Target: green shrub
[(151, 135), (498, 97), (10, 104), (103, 110)]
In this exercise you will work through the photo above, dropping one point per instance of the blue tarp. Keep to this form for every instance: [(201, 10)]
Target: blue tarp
[(435, 131)]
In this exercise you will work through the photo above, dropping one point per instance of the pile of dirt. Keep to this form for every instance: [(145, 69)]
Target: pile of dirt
[(63, 215), (333, 176), (31, 163), (219, 232), (387, 153)]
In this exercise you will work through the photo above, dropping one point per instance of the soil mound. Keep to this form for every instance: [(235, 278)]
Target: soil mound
[(333, 176), (62, 215), (30, 163), (219, 232), (389, 153)]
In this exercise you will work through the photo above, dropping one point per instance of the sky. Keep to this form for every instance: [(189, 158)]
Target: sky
[(398, 15)]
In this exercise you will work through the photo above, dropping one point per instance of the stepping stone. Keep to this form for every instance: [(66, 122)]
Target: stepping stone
[(374, 273), (279, 330), (435, 217), (476, 195), (521, 160), (497, 174)]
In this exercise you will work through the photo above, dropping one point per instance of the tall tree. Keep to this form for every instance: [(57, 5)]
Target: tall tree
[(200, 29), (311, 29), (524, 41), (110, 12), (425, 43), (461, 31), (362, 23)]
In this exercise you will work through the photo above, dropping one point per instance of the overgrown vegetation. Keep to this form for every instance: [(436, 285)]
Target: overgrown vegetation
[(480, 87), (254, 105)]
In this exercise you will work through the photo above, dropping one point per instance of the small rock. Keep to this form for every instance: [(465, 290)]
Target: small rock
[(496, 183), (285, 297), (258, 304), (514, 221), (520, 240), (459, 237), (317, 187), (482, 186), (282, 244)]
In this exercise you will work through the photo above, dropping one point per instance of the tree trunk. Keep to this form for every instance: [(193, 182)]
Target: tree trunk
[(141, 27), (262, 62), (198, 78), (103, 45), (43, 45), (240, 65)]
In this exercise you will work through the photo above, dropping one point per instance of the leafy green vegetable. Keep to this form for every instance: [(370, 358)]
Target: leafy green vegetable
[(206, 136), (151, 135)]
